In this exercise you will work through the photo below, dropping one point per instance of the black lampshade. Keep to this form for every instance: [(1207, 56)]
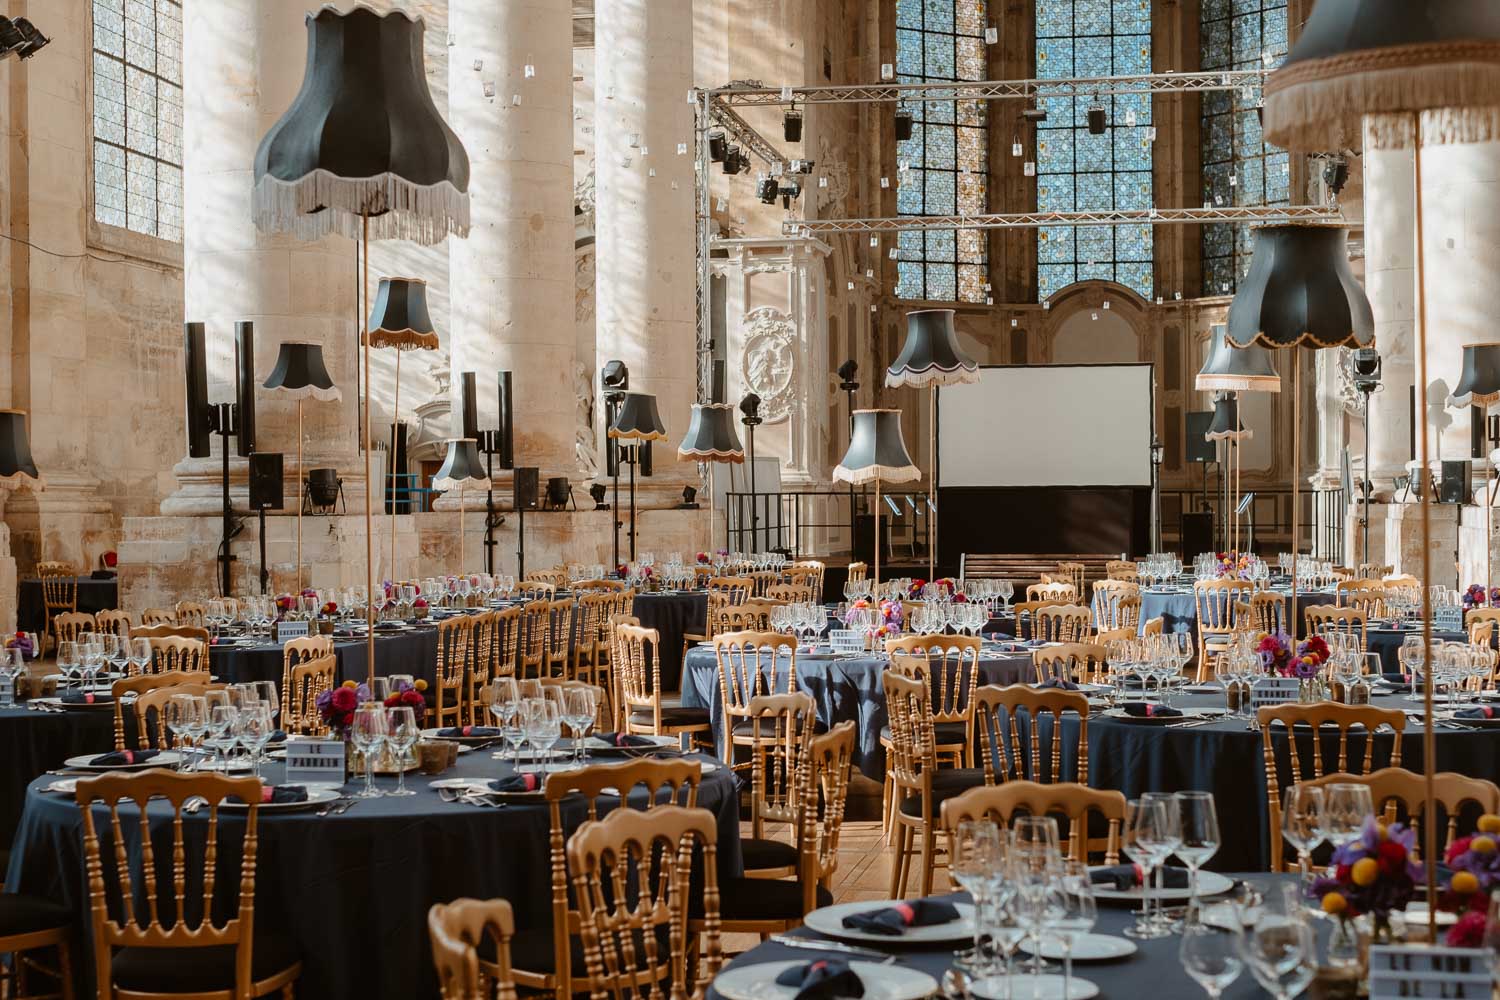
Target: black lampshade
[(363, 138), (711, 436), (1479, 385), (1359, 57), (17, 467), (1236, 369), (1299, 292), (463, 468), (637, 419), (400, 318), (1226, 424), (931, 354), (300, 373), (877, 450)]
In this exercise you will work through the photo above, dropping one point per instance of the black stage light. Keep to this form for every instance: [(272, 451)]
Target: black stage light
[(750, 406), (20, 38), (558, 493), (903, 125), (848, 370), (689, 498), (789, 191), (1336, 174), (1366, 369), (765, 190), (1096, 121), (791, 126), (732, 162), (718, 145), (597, 492), (615, 375)]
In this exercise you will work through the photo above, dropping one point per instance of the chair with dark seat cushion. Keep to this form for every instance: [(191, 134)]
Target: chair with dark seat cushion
[(200, 970), (31, 923), (672, 717), (459, 932), (637, 667), (947, 782), (779, 728)]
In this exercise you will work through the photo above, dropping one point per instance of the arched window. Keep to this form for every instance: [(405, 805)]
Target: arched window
[(943, 167), (137, 75), (1238, 167), (1078, 170)]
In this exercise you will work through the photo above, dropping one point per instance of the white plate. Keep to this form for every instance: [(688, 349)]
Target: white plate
[(1209, 884), (167, 758), (1040, 988), (594, 744), (830, 920), (1091, 948), (1204, 689), (315, 797), (881, 982), (1416, 914), (103, 700), (64, 786), (1188, 715)]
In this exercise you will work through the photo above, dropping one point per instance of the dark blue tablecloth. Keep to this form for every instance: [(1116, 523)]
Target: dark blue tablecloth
[(845, 688), (34, 742), (1387, 643), (1179, 610), (410, 652), (673, 615), (93, 596), (353, 890)]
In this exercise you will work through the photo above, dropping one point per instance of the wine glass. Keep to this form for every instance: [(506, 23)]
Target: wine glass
[(181, 714), (1212, 953), (977, 863), (401, 734), (579, 710), (504, 703), (1146, 829), (255, 726), (1198, 823), (140, 656), (266, 691), (1346, 806), (1080, 912), (543, 727), (1280, 949), (1302, 823), (219, 733), (68, 658), (368, 733), (1034, 841)]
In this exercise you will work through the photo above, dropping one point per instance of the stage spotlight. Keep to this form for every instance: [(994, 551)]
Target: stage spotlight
[(20, 38), (732, 164), (1096, 120), (903, 125), (1336, 174), (689, 499), (597, 491), (718, 145), (803, 166), (1366, 369), (765, 190), (789, 191), (615, 376), (791, 125), (750, 406), (848, 370), (558, 493)]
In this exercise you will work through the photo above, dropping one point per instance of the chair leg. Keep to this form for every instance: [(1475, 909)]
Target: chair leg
[(927, 836), (65, 969), (887, 806), (898, 860)]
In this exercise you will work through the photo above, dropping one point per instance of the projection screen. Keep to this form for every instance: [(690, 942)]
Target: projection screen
[(1047, 425)]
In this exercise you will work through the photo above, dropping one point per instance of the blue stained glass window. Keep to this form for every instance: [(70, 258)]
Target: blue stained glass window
[(946, 161), (1079, 171), (1238, 167)]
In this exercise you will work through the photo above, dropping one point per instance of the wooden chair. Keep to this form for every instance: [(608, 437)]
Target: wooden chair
[(558, 640), (536, 590), (557, 576), (781, 728), (752, 616), (531, 648), (1343, 588), (67, 626), (996, 715), (589, 586), (638, 670), (1375, 571), (1026, 616), (1152, 626), (36, 924), (1121, 569), (637, 943), (1401, 795), (1070, 572), (1063, 623), (140, 685), (1215, 602), (190, 613), (150, 711), (1266, 612), (1053, 591), (807, 573), (1324, 618), (457, 930), (309, 679), (505, 640), (59, 591), (1079, 662), (591, 650), (718, 600), (1124, 632), (158, 616), (762, 580), (918, 786), (481, 659), (164, 630), (790, 593), (1479, 615), (173, 652), (750, 663), (293, 652), (858, 572), (161, 960), (1366, 718), (454, 636), (737, 588), (1115, 603), (1370, 602), (112, 623), (1071, 801)]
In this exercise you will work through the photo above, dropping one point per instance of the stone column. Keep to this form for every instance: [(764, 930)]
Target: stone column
[(511, 102), (1390, 283), (646, 278)]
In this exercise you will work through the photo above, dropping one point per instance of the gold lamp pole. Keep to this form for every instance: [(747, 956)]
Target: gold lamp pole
[(462, 468)]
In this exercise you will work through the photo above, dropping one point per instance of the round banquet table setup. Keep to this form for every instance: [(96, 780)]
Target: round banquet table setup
[(32, 741), (1177, 607), (673, 614), (405, 650), (351, 890), (93, 596)]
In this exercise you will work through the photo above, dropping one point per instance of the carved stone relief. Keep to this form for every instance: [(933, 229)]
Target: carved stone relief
[(769, 361)]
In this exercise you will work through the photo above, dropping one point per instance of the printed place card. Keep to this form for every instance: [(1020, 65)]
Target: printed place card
[(311, 761), (293, 630)]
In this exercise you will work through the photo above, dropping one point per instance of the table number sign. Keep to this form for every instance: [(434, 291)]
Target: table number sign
[(1449, 618), (1274, 691), (292, 630), (7, 691), (310, 761), (1408, 970), (846, 640)]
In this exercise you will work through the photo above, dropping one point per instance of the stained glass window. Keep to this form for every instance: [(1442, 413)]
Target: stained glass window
[(1238, 167), (943, 167), (1077, 171), (138, 116)]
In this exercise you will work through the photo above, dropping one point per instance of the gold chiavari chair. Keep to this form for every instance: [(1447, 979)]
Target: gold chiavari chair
[(557, 577), (718, 599), (638, 673), (858, 572), (1110, 635), (781, 729), (190, 613), (1026, 616), (457, 931), (481, 660), (67, 626), (308, 680), (139, 685), (790, 593), (750, 663), (505, 641), (293, 652), (752, 616), (1073, 802), (1153, 626), (536, 590), (454, 636), (616, 658), (59, 591), (1063, 623), (1215, 602), (1056, 590), (762, 581), (1109, 603), (1075, 662), (158, 616), (1366, 719), (173, 652), (558, 640), (586, 586), (808, 573), (918, 785), (531, 648), (1266, 612), (1325, 618), (1479, 615), (1370, 602), (638, 945), (1121, 569), (1343, 588), (1071, 572), (1401, 795), (113, 623), (149, 711), (1375, 571), (162, 951), (737, 588), (996, 710)]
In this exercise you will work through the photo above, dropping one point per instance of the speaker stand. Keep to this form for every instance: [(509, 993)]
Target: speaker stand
[(265, 574), (521, 542), (224, 423)]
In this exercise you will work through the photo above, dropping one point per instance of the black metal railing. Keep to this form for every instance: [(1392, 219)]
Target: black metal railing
[(816, 522), (1266, 524)]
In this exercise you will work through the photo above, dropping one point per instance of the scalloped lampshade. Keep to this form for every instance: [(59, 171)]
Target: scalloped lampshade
[(300, 372), (17, 467), (1236, 369), (637, 419), (1226, 425), (1300, 292), (400, 318), (877, 450), (462, 468), (931, 354), (711, 436), (1479, 384)]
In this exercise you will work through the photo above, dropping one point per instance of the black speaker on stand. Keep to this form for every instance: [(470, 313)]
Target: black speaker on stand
[(234, 419), (524, 497), (266, 492)]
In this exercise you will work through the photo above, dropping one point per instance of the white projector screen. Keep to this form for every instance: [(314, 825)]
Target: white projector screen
[(1047, 425)]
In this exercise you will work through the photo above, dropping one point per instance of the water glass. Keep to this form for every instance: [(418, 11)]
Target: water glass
[(369, 733), (543, 726), (978, 865), (1198, 826), (579, 711), (1211, 952), (1346, 806), (1302, 823), (1280, 948), (505, 702), (401, 735)]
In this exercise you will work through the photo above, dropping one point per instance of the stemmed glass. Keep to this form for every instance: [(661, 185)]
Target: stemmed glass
[(1212, 953), (579, 710), (978, 865), (254, 727), (117, 652), (369, 734), (504, 703), (1280, 948), (1080, 912), (183, 713), (1150, 841), (401, 735), (219, 733), (1302, 824), (543, 727), (12, 666), (1041, 907), (1198, 826), (67, 658), (1346, 805), (266, 692)]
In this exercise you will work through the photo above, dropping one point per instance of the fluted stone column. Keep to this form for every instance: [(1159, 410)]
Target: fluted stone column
[(646, 276), (512, 279)]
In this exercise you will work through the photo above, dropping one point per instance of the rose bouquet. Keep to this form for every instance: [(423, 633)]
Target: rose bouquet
[(23, 642), (1374, 875), (330, 609), (1475, 863), (703, 559), (1312, 653), (336, 707), (914, 589), (409, 695), (1275, 652), (284, 604), (1232, 564)]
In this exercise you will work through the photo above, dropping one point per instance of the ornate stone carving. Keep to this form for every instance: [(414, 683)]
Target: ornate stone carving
[(769, 361), (583, 445), (837, 173), (583, 284), (1349, 397), (583, 197), (441, 373)]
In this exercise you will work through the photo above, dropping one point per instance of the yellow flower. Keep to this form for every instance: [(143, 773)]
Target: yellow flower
[(1482, 845), (1334, 903), (1365, 871), (1489, 823), (1464, 883), (351, 684), (420, 684)]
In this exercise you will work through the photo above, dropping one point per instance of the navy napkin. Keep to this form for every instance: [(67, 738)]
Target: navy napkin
[(483, 732), (625, 740), (1124, 877), (1059, 683), (528, 782), (75, 696), (279, 736), (1477, 712), (894, 920), (822, 980), (1150, 710), (281, 794), (117, 757)]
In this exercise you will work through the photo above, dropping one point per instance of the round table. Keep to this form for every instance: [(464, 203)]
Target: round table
[(353, 890), (673, 614), (31, 742), (94, 595), (1178, 607), (411, 651), (844, 688)]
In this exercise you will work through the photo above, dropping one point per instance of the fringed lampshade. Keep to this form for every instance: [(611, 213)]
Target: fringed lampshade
[(1226, 424), (1236, 369), (463, 468), (301, 374), (711, 436), (637, 419), (1299, 292), (1479, 385), (363, 139), (400, 318), (931, 354), (17, 467), (877, 450)]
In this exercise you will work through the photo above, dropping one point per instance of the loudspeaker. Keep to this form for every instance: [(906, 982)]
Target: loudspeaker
[(1096, 121), (244, 384), (558, 493), (265, 481), (1197, 533), (197, 390), (507, 453), (644, 452), (469, 403), (524, 489), (1198, 449), (1454, 486), (398, 499)]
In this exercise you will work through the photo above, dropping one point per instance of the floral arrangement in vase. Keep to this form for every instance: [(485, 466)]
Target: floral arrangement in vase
[(410, 695), (285, 603), (25, 643), (888, 616), (1474, 597), (703, 559), (1280, 658), (1475, 864), (336, 707), (1232, 564), (914, 589), (1373, 874), (951, 588), (330, 609), (419, 608)]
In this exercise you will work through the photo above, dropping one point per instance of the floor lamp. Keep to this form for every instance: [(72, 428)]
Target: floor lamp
[(1236, 369), (711, 438), (1479, 386), (931, 357), (1227, 427), (636, 423), (463, 469), (363, 151), (399, 321), (301, 375), (877, 453)]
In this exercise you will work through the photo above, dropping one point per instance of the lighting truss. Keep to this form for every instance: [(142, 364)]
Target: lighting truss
[(1035, 220), (742, 132)]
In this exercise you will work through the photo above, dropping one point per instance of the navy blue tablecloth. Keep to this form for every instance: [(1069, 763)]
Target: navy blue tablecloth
[(409, 652), (353, 890), (93, 596), (1387, 643), (1178, 610), (673, 615), (34, 742)]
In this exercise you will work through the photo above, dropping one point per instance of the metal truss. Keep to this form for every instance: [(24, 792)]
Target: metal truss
[(1036, 220), (738, 130)]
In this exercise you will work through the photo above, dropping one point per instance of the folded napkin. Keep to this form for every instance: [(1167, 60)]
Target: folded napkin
[(280, 794), (1123, 877), (1059, 683), (625, 740), (481, 731), (1477, 712), (73, 696), (528, 782), (117, 757), (1150, 710), (894, 920), (822, 980), (279, 736)]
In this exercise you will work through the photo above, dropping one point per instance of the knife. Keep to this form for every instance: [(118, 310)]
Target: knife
[(843, 949)]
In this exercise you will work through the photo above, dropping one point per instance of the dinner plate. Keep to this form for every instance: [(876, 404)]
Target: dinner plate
[(1188, 715), (167, 758), (1416, 913), (1090, 948), (1209, 884), (830, 920), (597, 747), (432, 734), (316, 796), (101, 701), (64, 786), (1204, 689), (881, 982), (1049, 987), (1480, 723), (483, 785)]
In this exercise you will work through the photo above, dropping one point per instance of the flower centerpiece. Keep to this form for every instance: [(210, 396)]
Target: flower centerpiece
[(419, 608), (1475, 864), (1475, 597), (886, 619), (914, 589), (1280, 658), (1373, 874), (284, 605), (703, 559), (1232, 564), (336, 707), (24, 642), (409, 695)]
